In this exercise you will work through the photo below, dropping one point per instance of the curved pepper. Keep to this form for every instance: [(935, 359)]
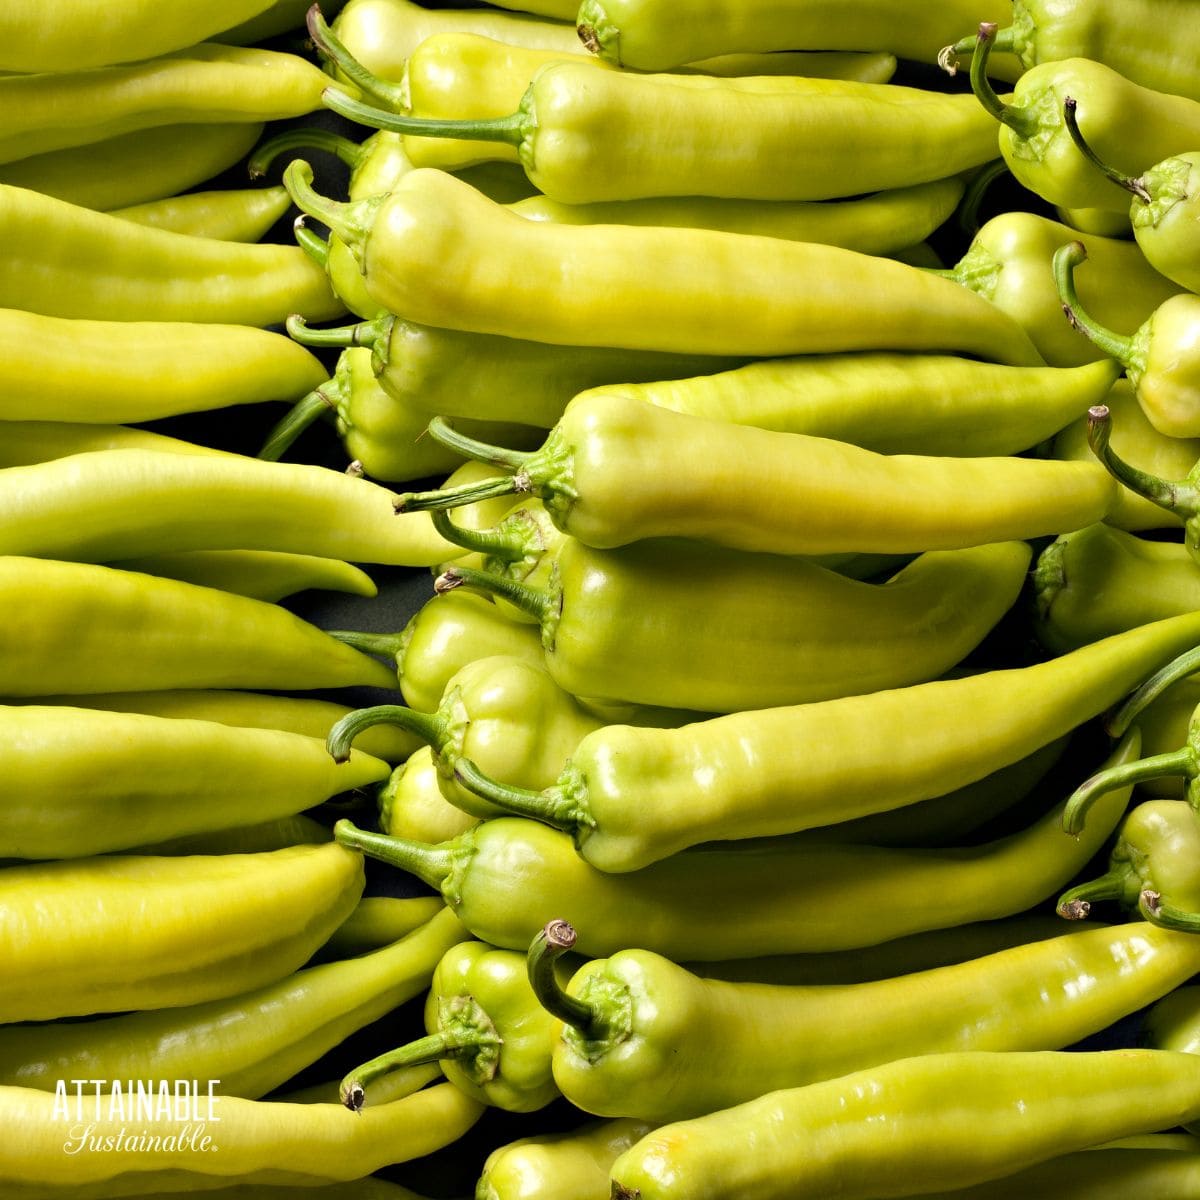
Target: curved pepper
[(502, 876), (124, 779), (616, 469), (252, 1042), (77, 937), (681, 624), (1021, 1107), (1127, 124), (1099, 581), (1009, 263), (77, 627), (644, 1037), (1160, 358), (732, 294), (485, 1026), (66, 261)]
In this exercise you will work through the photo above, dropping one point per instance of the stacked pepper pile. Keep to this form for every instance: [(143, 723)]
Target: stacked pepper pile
[(788, 586)]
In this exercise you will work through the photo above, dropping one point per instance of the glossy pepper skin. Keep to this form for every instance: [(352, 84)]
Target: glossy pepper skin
[(252, 1042), (230, 215), (959, 1118), (78, 627), (585, 135), (433, 227), (77, 938), (617, 469), (634, 796), (67, 261), (680, 624), (502, 876), (485, 1027), (644, 1037), (1129, 125), (411, 804), (124, 779), (1009, 263)]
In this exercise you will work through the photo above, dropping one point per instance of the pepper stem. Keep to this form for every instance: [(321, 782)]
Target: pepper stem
[(456, 497), (492, 543), (431, 864), (310, 138), (1066, 259), (427, 726), (299, 417), (520, 595), (350, 220), (364, 333), (1186, 664), (1151, 906), (1076, 903), (1156, 766), (549, 806), (313, 244), (509, 129), (550, 944), (1162, 492), (389, 644), (1128, 182), (1017, 119), (353, 1089), (498, 456), (948, 56), (331, 47)]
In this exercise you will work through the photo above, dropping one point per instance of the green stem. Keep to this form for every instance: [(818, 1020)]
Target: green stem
[(431, 864), (520, 595), (1017, 119), (364, 333), (313, 244), (948, 56), (350, 220), (492, 543), (510, 129), (1180, 668), (456, 497), (497, 456), (427, 726), (331, 47), (1166, 494), (353, 1089), (551, 943), (311, 138), (387, 644), (1066, 259), (1151, 906), (299, 417), (1076, 903), (1128, 182), (549, 806), (1157, 766)]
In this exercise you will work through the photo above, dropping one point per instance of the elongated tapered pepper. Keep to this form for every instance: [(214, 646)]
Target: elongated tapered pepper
[(1160, 358), (1129, 125), (681, 624), (297, 830), (616, 469), (585, 135), (67, 261), (1119, 33), (141, 502), (78, 627), (457, 373), (225, 214), (1009, 263), (1098, 581), (77, 938), (57, 369), (251, 1042), (504, 875), (1021, 1108), (1143, 447), (485, 1026), (122, 779), (731, 294), (1151, 869), (643, 1037), (709, 780)]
